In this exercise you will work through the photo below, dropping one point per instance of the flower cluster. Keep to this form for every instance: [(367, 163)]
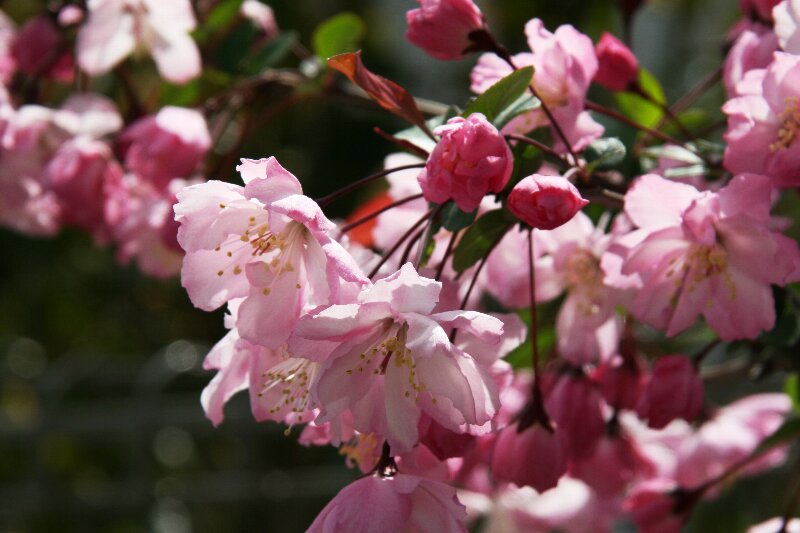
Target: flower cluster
[(409, 335)]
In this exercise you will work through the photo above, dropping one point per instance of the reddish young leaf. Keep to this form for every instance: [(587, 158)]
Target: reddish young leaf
[(386, 93)]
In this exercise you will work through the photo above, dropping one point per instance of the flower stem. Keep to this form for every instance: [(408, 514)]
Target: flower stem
[(400, 242), (367, 218), (325, 200), (534, 318)]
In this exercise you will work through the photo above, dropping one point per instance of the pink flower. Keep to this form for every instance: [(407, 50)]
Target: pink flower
[(470, 160), (141, 223), (169, 145), (616, 464), (673, 391), (262, 16), (654, 508), (787, 25), (617, 67), (398, 503), (621, 382), (564, 64), (116, 28), (266, 242), (733, 433), (709, 253), (575, 406), (545, 202), (393, 361), (442, 27), (78, 174), (38, 50), (774, 524), (763, 125), (758, 9), (533, 456), (753, 49)]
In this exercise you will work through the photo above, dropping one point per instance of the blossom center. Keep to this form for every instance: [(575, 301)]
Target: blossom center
[(288, 384), (790, 125)]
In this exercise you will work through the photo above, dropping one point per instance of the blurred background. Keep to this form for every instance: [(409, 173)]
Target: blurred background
[(101, 427)]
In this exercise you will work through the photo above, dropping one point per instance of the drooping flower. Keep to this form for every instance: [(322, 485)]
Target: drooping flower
[(394, 361), (709, 253), (266, 242), (674, 390), (442, 27), (400, 502), (115, 28), (470, 160)]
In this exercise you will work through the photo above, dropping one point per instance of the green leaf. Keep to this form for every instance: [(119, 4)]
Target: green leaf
[(501, 95), (339, 34), (454, 219), (641, 109), (418, 138), (479, 239), (605, 153), (523, 104), (180, 95), (272, 53), (218, 19)]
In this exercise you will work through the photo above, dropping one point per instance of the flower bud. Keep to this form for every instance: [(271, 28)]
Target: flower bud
[(442, 27), (654, 507), (621, 382), (674, 391), (470, 160), (545, 202), (534, 457), (167, 145), (575, 405), (617, 67)]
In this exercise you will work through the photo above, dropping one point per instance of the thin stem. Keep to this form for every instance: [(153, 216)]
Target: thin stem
[(447, 252), (400, 241), (325, 200), (705, 84), (367, 218), (702, 354), (428, 234), (541, 146), (641, 127), (534, 318), (505, 56), (411, 242)]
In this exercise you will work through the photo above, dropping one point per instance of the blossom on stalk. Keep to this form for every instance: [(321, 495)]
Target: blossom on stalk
[(442, 27), (709, 253), (394, 361), (674, 390), (752, 50), (764, 124), (38, 49), (400, 502), (470, 160), (617, 67), (115, 28), (266, 242)]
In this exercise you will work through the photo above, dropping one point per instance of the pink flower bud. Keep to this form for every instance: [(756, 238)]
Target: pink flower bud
[(470, 160), (574, 404), (545, 202), (38, 50), (78, 174), (168, 145), (621, 382), (653, 507), (262, 16), (674, 391), (534, 457), (758, 9), (616, 464), (442, 27), (617, 67)]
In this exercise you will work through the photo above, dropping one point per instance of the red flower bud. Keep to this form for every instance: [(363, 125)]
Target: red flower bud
[(617, 67), (442, 27), (674, 391), (545, 202)]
